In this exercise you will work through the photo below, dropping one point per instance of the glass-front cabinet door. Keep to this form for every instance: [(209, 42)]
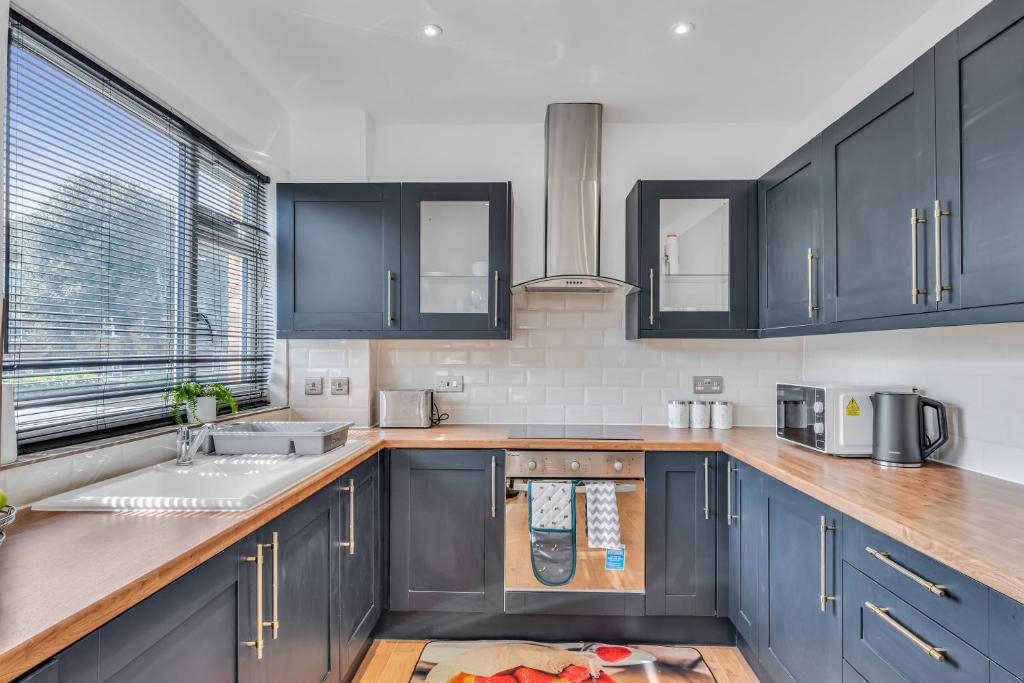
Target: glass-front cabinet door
[(456, 257), (696, 256)]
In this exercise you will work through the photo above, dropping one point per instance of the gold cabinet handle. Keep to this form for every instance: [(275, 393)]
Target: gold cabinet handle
[(275, 623), (884, 558), (936, 653), (495, 299), (811, 307), (258, 642), (915, 291), (650, 299), (939, 287), (351, 542), (824, 597), (387, 283)]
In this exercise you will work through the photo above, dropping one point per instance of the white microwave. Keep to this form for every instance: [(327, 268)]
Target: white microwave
[(827, 417)]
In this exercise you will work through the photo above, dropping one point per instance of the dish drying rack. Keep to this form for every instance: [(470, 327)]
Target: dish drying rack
[(7, 514)]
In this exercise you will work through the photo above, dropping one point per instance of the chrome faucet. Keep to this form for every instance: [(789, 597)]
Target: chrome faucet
[(189, 444)]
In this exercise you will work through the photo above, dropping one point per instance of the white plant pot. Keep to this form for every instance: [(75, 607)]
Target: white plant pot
[(206, 410)]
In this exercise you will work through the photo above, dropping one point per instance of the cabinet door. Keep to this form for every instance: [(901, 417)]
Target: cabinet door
[(361, 576), (980, 106), (301, 648), (792, 236), (681, 520), (456, 257), (193, 630), (338, 260), (696, 251), (447, 529), (744, 494), (799, 618), (879, 169)]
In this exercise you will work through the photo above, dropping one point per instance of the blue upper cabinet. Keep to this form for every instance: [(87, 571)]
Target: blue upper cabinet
[(456, 245), (879, 162), (980, 107), (338, 259), (343, 250), (792, 239), (696, 259)]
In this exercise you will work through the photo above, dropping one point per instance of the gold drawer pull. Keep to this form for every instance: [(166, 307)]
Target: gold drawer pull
[(933, 588), (258, 559), (936, 653)]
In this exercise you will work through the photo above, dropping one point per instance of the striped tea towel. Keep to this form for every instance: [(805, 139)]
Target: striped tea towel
[(602, 516)]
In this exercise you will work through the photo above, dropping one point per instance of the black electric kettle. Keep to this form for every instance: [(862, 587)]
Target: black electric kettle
[(899, 438)]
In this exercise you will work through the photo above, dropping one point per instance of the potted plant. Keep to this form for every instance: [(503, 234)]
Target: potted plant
[(202, 401)]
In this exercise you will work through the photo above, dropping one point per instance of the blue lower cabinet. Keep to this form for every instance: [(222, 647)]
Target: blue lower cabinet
[(800, 627), (887, 639), (850, 674), (1006, 629), (998, 674), (744, 492)]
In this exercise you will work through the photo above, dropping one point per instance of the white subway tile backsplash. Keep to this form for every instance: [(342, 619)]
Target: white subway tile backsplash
[(603, 396)]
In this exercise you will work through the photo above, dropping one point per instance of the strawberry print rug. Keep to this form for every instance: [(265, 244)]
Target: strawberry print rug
[(506, 661)]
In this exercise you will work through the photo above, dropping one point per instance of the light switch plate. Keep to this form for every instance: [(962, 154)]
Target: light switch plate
[(708, 384), (314, 386), (339, 386), (448, 384)]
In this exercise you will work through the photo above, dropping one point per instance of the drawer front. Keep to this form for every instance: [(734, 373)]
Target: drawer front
[(955, 601), (894, 646), (850, 674), (1007, 629), (998, 674)]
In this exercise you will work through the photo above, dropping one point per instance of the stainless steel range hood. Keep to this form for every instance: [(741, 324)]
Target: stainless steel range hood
[(572, 213)]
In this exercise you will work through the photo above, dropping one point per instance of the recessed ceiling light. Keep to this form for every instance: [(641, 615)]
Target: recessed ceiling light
[(432, 30), (682, 28)]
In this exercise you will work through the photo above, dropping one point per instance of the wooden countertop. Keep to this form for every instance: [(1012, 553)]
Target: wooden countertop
[(65, 574)]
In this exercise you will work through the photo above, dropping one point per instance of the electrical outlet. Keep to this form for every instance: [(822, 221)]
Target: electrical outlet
[(448, 384), (314, 386), (339, 386), (708, 384)]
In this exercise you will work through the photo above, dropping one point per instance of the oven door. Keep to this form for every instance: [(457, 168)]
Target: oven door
[(595, 570)]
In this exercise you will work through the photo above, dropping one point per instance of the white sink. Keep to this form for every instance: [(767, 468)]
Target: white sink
[(213, 483)]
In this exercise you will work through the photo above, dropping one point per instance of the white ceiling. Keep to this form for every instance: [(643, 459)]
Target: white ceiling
[(501, 61)]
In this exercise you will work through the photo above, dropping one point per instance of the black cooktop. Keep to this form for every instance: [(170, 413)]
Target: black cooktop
[(597, 432)]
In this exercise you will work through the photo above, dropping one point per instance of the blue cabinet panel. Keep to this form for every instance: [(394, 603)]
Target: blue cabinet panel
[(1006, 628), (744, 494), (682, 513), (886, 639), (998, 674), (800, 634)]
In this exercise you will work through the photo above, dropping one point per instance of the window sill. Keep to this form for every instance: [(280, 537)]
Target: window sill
[(85, 447)]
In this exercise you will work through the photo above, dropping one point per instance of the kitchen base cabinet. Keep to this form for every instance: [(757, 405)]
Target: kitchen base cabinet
[(800, 627), (744, 492), (447, 530), (998, 674), (886, 639), (361, 579), (681, 519), (300, 646)]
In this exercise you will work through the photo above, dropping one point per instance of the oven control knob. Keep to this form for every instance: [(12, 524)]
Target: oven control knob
[(574, 465), (617, 466), (819, 428), (819, 407), (532, 465)]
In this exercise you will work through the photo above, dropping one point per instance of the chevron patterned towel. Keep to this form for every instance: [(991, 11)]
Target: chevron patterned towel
[(602, 516)]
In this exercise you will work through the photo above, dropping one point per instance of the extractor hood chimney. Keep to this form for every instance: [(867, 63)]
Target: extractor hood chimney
[(572, 212)]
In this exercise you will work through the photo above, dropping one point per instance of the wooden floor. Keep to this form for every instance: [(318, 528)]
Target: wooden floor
[(392, 661)]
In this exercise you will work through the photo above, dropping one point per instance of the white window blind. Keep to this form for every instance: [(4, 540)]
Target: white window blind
[(136, 252)]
